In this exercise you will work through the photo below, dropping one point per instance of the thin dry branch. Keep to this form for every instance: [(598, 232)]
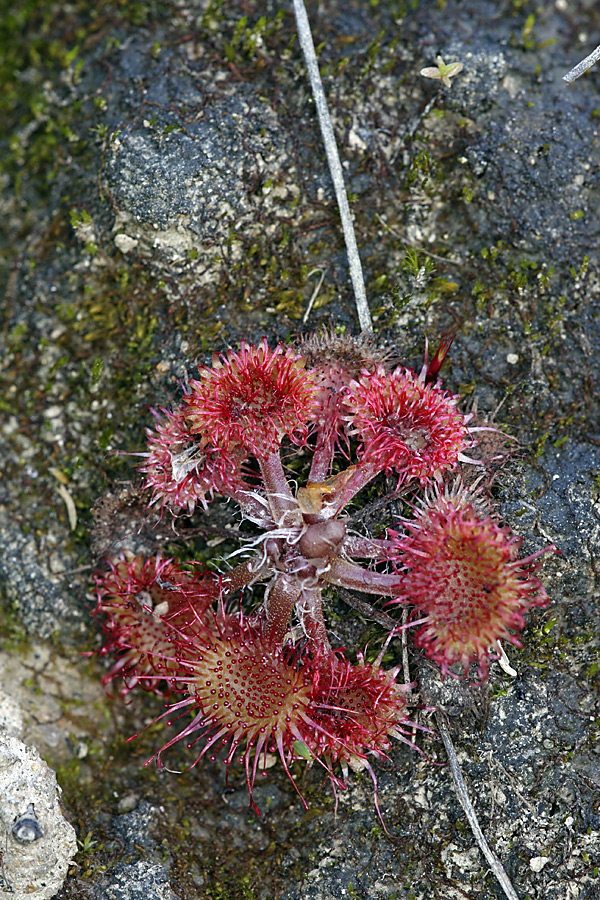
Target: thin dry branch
[(335, 167), (583, 66), (463, 796)]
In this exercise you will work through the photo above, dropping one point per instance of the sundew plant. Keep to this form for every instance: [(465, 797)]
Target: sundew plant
[(262, 678)]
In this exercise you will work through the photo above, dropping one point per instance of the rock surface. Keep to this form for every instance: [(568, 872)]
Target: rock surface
[(165, 194), (39, 845)]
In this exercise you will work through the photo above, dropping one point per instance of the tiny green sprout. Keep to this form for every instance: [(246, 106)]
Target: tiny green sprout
[(97, 367), (442, 71), (87, 844), (548, 626)]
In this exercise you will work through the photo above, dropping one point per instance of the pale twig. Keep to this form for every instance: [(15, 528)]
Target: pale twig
[(583, 66), (65, 496), (335, 167), (405, 666), (461, 792), (315, 293), (504, 661)]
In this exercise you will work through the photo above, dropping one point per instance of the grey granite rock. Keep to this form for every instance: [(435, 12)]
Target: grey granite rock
[(28, 581), (142, 875), (141, 880)]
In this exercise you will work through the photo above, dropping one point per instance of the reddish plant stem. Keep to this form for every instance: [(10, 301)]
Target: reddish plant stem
[(278, 491), (310, 609), (249, 503), (320, 468), (363, 473), (242, 576), (366, 548), (346, 574), (279, 605)]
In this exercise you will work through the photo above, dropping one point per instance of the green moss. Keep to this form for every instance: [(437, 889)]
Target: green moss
[(14, 639)]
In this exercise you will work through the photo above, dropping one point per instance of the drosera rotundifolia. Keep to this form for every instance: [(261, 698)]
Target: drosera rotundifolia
[(260, 677)]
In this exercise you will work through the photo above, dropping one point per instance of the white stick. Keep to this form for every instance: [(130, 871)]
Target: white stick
[(504, 661), (462, 794), (583, 66), (315, 294), (335, 167)]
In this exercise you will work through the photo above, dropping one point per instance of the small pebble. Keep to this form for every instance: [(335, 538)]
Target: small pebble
[(537, 863)]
